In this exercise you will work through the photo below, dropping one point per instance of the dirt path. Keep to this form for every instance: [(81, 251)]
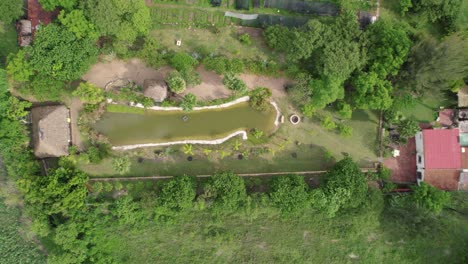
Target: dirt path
[(211, 87), (75, 107)]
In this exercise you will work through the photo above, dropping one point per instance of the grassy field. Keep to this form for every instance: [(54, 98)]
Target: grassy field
[(201, 41), (8, 41), (425, 109), (260, 235)]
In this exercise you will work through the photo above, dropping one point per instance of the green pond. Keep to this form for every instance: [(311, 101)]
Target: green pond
[(166, 126)]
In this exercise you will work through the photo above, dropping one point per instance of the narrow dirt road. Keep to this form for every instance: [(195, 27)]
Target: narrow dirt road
[(75, 107)]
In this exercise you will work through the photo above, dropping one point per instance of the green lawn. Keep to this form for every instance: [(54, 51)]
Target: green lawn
[(8, 41), (425, 109), (14, 245)]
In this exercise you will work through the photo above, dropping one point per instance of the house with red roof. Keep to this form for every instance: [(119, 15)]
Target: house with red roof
[(441, 160)]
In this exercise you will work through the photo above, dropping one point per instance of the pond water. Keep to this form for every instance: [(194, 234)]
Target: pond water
[(166, 126)]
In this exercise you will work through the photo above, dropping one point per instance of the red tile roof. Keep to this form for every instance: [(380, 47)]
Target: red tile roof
[(442, 149), (443, 179)]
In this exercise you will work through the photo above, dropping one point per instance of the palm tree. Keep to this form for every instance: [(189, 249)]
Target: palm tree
[(188, 149)]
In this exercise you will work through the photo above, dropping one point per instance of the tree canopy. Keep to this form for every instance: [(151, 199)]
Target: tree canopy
[(76, 22), (123, 20), (62, 191), (371, 92), (60, 54), (227, 190), (11, 10), (289, 193), (346, 183), (178, 193), (53, 4), (430, 198)]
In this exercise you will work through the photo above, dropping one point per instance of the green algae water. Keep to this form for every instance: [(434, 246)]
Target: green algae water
[(167, 126)]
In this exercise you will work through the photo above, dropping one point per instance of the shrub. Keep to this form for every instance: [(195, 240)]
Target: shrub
[(289, 193), (257, 133), (97, 187), (178, 193), (328, 123), (259, 98), (183, 62), (234, 83), (344, 110), (89, 93), (94, 154), (408, 128), (216, 64), (175, 82), (188, 102), (121, 164), (245, 39), (227, 191), (345, 131)]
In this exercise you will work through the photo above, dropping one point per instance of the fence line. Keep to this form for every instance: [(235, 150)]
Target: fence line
[(260, 174)]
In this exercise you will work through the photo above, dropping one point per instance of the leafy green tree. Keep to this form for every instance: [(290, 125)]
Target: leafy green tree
[(50, 5), (62, 191), (11, 10), (175, 82), (430, 198), (345, 186), (446, 11), (45, 88), (388, 48), (289, 193), (18, 68), (432, 67), (325, 91), (94, 154), (122, 20), (89, 93), (344, 110), (408, 128), (405, 6), (97, 187), (259, 98), (188, 102), (15, 108), (121, 164), (67, 236), (372, 92), (178, 193), (76, 22), (227, 190), (58, 53)]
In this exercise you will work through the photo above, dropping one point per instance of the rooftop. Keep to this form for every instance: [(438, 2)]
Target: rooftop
[(442, 149), (443, 179), (463, 97), (51, 131)]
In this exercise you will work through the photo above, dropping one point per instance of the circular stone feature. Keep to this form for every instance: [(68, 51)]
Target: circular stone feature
[(189, 158), (294, 119), (240, 157)]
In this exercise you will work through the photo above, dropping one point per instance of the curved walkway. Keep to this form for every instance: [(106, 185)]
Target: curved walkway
[(203, 142)]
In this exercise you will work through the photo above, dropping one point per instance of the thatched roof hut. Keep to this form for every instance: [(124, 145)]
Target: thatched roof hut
[(51, 131), (155, 89), (463, 97), (24, 29)]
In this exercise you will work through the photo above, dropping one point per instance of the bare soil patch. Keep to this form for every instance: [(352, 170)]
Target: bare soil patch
[(134, 69)]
